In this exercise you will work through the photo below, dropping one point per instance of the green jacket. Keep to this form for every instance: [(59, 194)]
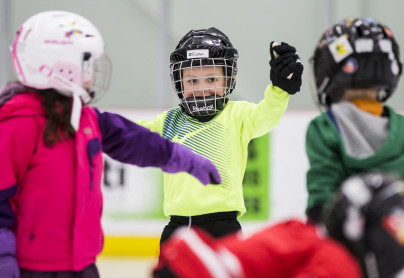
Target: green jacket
[(330, 164), (223, 140)]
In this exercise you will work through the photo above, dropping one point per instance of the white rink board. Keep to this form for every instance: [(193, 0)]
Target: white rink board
[(288, 164)]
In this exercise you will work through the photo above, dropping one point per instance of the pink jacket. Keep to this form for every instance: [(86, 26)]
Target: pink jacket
[(46, 204), (51, 196)]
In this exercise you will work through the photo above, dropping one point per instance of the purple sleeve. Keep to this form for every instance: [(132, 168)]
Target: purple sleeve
[(7, 215), (127, 142)]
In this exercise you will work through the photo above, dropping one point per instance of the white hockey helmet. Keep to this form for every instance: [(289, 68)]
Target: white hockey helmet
[(63, 51)]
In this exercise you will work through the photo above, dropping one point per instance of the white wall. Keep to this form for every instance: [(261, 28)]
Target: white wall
[(131, 32)]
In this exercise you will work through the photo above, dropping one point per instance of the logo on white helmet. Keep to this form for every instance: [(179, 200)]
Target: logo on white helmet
[(197, 53)]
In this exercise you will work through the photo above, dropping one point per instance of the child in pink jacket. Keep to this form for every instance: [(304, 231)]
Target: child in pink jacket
[(51, 150)]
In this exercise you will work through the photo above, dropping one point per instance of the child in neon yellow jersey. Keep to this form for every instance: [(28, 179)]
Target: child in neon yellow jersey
[(203, 70)]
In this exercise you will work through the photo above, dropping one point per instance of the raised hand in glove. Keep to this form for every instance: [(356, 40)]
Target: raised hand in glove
[(8, 263), (184, 160), (286, 67)]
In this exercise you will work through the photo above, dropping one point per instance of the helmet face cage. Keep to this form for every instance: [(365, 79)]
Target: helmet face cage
[(204, 94), (355, 53), (209, 61), (367, 216), (101, 77)]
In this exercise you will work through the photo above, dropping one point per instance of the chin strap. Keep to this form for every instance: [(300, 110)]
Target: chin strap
[(63, 85), (79, 95), (203, 119), (76, 110), (203, 108)]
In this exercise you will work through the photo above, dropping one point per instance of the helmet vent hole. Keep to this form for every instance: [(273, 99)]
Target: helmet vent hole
[(86, 56)]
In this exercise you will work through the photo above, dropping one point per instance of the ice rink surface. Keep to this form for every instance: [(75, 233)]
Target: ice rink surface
[(125, 267)]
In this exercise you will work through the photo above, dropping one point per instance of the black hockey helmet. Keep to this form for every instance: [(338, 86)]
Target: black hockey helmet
[(367, 216), (204, 47), (355, 53)]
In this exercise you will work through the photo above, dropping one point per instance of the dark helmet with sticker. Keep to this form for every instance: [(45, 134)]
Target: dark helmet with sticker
[(355, 53), (367, 216), (199, 48)]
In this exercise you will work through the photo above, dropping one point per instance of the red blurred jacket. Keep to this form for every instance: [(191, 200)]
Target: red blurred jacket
[(287, 249)]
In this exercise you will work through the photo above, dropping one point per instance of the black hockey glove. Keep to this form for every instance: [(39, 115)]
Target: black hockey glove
[(286, 67)]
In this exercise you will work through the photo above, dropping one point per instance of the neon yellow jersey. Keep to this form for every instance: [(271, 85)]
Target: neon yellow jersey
[(224, 140)]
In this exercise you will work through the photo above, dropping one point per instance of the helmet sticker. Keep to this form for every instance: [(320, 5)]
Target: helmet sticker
[(340, 48), (350, 66), (388, 32), (349, 21), (364, 45), (386, 46), (198, 53), (369, 20), (394, 224), (395, 69), (72, 32)]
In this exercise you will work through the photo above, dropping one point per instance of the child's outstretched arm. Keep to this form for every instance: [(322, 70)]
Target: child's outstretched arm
[(8, 262), (127, 142), (286, 75)]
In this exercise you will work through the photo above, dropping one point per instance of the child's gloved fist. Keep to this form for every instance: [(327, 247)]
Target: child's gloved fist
[(286, 67)]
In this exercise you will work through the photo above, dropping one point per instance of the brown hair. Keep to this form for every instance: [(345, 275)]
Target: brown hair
[(58, 108)]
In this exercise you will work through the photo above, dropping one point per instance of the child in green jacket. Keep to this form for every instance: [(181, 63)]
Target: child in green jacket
[(356, 68)]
